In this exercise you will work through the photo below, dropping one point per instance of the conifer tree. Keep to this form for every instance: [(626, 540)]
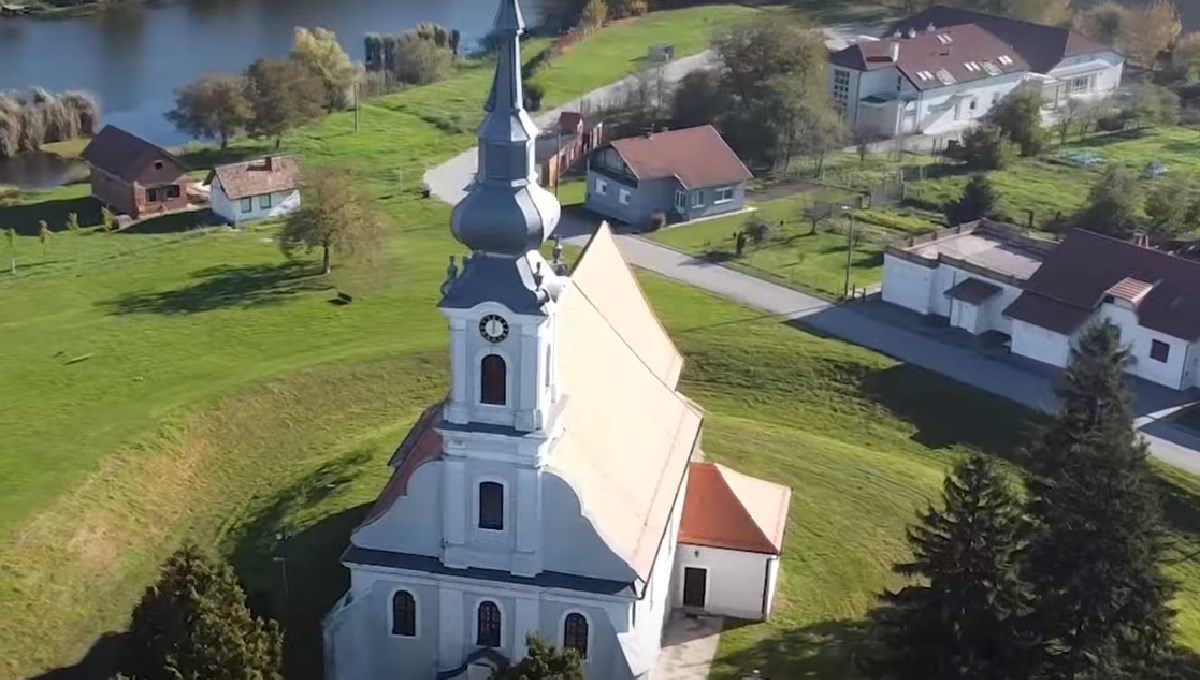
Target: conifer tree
[(194, 625), (1096, 542), (962, 619), (543, 662)]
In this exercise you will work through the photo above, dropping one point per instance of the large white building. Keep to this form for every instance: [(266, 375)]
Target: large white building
[(941, 70), (988, 278), (559, 488)]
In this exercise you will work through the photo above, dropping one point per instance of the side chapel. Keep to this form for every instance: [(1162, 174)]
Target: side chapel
[(559, 487)]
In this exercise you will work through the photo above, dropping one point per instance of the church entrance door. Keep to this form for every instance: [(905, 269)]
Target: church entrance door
[(695, 587)]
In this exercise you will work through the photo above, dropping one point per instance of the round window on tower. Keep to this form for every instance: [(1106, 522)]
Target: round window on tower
[(493, 328)]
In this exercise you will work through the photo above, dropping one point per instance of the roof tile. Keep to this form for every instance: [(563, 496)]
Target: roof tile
[(260, 176), (726, 509), (124, 154), (697, 156)]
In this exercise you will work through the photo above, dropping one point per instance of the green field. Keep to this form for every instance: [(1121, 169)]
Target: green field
[(194, 384), (1048, 188)]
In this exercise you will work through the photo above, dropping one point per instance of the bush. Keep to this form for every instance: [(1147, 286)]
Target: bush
[(1113, 123), (896, 222), (985, 148), (421, 62), (758, 229), (534, 91), (620, 9), (658, 220)]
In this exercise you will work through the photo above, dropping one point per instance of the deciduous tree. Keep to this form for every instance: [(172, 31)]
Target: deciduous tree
[(752, 52), (420, 61), (1185, 56), (194, 624), (698, 99), (319, 51), (595, 14), (1107, 23), (1096, 544), (985, 148), (961, 620), (1152, 29), (1166, 207), (214, 106), (543, 662), (978, 201), (283, 95), (1112, 203), (1019, 117), (333, 217), (620, 9), (44, 237)]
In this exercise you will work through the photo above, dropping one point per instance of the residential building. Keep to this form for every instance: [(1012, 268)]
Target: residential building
[(682, 174), (255, 189), (1151, 295), (560, 149), (939, 71), (132, 176), (556, 489)]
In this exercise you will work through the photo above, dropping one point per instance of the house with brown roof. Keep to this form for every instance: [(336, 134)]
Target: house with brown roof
[(941, 70), (565, 145), (256, 189), (683, 174), (132, 176), (558, 487), (1151, 295)]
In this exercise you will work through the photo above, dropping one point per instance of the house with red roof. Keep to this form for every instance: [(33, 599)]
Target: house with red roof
[(682, 174), (939, 71)]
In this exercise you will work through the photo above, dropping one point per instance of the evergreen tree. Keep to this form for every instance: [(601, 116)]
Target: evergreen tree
[(543, 662), (194, 625), (978, 201), (1096, 542), (961, 620), (1112, 203)]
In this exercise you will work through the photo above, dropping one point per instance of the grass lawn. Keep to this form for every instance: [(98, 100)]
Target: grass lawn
[(792, 255), (1047, 187), (194, 385)]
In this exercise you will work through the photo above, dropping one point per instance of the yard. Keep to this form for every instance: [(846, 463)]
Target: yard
[(1047, 187), (194, 385)]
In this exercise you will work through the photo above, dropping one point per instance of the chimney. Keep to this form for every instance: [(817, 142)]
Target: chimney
[(895, 53), (930, 28), (912, 32)]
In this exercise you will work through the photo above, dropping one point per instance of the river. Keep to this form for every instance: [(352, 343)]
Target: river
[(133, 56)]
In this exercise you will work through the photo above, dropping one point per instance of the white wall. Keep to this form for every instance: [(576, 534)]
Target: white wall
[(1139, 340), (923, 290), (735, 579), (937, 107), (282, 203), (906, 284), (1040, 344)]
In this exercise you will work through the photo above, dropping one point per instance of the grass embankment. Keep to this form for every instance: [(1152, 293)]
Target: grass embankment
[(223, 399), (1048, 188)]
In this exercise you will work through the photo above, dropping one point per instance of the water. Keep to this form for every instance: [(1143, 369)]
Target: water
[(37, 170), (134, 56)]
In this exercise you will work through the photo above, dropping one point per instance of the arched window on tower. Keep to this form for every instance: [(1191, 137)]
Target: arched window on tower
[(487, 625), (493, 380), (404, 614)]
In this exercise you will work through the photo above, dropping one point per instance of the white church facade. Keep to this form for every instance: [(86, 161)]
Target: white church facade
[(559, 488)]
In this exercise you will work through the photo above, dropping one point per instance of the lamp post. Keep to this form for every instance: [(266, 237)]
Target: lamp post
[(849, 213)]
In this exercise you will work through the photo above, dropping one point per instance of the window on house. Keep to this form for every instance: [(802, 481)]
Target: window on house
[(1159, 350), (973, 102), (264, 201), (723, 195), (624, 197), (575, 633), (172, 191), (487, 624), (493, 380), (681, 200), (153, 195), (404, 614), (841, 89), (247, 205), (1082, 84), (698, 199), (601, 187), (158, 165), (491, 506)]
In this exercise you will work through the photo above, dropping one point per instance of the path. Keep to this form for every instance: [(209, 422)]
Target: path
[(689, 645)]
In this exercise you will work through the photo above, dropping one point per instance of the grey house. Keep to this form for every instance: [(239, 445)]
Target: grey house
[(683, 174)]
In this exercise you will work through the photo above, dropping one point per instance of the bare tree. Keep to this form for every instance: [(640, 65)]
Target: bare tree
[(334, 217)]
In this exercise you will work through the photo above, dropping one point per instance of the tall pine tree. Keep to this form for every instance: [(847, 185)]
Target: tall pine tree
[(1096, 542), (961, 620), (194, 625)]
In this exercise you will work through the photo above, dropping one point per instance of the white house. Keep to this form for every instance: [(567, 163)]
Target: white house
[(942, 69), (556, 489), (255, 190)]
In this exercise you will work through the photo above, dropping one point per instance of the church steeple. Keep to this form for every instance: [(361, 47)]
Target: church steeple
[(506, 212)]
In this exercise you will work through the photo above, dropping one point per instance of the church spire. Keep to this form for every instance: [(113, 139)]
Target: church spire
[(505, 211)]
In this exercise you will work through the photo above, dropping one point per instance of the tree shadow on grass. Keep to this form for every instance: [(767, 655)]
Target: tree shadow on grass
[(822, 650), (172, 223), (224, 286), (99, 663), (314, 578), (25, 218)]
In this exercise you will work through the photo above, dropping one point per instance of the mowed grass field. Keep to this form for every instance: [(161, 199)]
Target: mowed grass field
[(1048, 188), (194, 385)]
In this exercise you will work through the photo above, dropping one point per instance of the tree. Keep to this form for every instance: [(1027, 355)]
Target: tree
[(978, 201), (620, 9), (214, 106), (1155, 105), (1096, 540), (543, 662), (193, 623), (420, 62), (72, 224), (1152, 30), (1019, 117), (801, 121), (985, 148), (44, 236), (1112, 203), (333, 217), (319, 51), (697, 99), (108, 220), (1167, 208), (962, 619), (595, 14), (1185, 56), (1107, 23), (752, 52), (283, 95)]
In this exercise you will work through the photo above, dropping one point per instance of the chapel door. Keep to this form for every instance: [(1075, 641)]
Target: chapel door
[(695, 587)]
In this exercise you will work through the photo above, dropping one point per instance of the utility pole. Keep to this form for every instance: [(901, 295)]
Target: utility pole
[(849, 213)]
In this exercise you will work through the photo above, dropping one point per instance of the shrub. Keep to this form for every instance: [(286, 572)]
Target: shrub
[(420, 61), (620, 9), (595, 14), (658, 220), (1113, 123), (758, 229), (985, 148), (534, 91)]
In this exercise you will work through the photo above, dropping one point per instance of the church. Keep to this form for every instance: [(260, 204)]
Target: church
[(559, 487)]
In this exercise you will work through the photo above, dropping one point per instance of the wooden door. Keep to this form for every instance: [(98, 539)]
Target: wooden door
[(695, 587)]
